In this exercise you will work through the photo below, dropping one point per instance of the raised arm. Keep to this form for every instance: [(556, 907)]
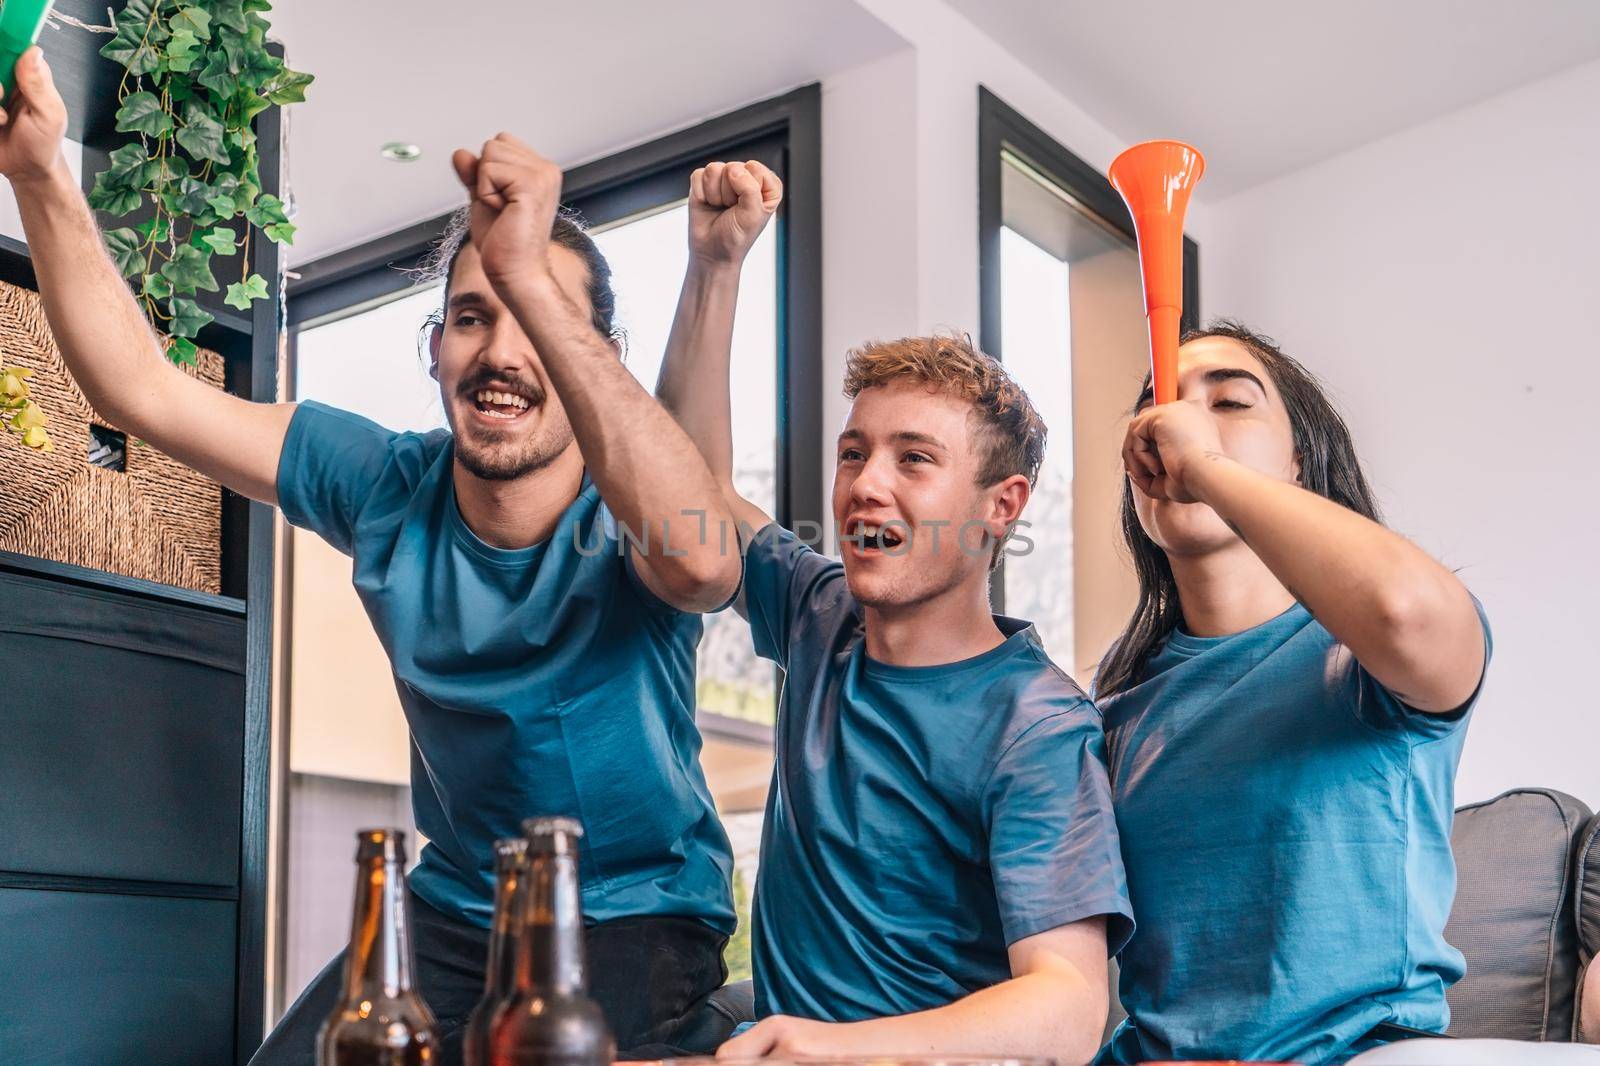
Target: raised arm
[(111, 350), (1054, 1006), (729, 204), (1408, 620), (648, 471)]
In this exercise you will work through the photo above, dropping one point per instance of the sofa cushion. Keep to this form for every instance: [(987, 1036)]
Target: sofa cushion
[(1588, 897), (1512, 917)]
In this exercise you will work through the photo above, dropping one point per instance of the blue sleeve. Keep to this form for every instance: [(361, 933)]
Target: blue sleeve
[(1381, 709), (331, 461), (1054, 852), (788, 587)]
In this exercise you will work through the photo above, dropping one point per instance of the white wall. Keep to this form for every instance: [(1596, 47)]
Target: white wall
[(1444, 282), (900, 183)]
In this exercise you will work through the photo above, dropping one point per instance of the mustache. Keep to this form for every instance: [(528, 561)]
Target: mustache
[(488, 379)]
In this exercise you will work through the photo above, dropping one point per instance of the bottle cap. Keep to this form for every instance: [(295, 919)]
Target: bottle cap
[(553, 835)]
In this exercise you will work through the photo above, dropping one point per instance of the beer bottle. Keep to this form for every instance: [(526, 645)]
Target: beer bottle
[(499, 979), (381, 1020), (550, 1019)]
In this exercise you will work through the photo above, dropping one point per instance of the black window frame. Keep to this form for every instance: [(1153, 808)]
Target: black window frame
[(784, 132), (1002, 128)]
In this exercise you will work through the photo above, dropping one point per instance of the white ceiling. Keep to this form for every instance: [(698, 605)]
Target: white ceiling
[(1264, 87), (574, 80)]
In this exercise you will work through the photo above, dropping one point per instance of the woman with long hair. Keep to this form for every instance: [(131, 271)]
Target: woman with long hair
[(1284, 712)]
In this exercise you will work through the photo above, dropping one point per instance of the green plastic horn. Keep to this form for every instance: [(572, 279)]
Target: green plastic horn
[(20, 23)]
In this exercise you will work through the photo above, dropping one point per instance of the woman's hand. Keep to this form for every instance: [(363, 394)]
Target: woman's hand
[(1164, 446)]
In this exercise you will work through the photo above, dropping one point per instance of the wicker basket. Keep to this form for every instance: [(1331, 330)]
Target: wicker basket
[(156, 519)]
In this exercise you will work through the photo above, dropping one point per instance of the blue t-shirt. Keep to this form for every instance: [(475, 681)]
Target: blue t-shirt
[(541, 680), (921, 819), (1286, 827)]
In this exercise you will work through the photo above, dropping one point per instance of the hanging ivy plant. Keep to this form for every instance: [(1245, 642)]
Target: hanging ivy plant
[(198, 73)]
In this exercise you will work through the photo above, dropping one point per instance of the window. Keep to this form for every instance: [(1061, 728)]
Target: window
[(1062, 307)]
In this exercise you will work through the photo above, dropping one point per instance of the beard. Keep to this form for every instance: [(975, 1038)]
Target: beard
[(509, 460), (494, 454)]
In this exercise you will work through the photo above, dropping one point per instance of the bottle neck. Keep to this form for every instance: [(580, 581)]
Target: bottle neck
[(550, 954), (379, 960), (500, 976)]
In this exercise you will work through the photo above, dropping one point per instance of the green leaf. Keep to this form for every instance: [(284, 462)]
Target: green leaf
[(112, 198), (192, 197), (127, 250), (183, 351), (143, 113), (156, 286), (157, 228), (192, 20), (188, 317), (281, 232), (220, 240), (138, 40), (268, 210), (258, 67), (166, 170), (183, 52), (130, 166), (190, 269), (220, 196), (229, 13), (216, 76), (252, 105), (289, 87), (241, 294), (201, 135)]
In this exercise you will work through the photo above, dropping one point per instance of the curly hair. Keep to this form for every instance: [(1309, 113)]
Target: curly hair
[(1011, 434)]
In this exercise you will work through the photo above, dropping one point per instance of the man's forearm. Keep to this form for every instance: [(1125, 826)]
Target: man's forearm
[(648, 471), (103, 336), (1052, 1014), (695, 375)]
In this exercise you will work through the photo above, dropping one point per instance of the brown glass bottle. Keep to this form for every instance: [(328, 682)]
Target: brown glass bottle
[(550, 1019), (500, 976), (381, 1020)]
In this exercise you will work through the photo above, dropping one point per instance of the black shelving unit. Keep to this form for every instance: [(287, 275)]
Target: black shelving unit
[(135, 736)]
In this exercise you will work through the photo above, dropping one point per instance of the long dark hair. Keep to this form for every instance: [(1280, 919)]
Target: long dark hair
[(1328, 466)]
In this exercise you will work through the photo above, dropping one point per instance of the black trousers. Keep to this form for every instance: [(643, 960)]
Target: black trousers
[(649, 974)]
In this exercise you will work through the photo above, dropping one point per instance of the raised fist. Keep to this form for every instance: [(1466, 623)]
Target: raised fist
[(729, 204), (515, 193)]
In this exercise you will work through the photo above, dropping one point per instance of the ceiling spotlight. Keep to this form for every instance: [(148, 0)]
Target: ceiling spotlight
[(400, 152)]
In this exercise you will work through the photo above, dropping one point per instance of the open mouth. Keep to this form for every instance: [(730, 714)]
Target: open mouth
[(501, 405), (868, 537)]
